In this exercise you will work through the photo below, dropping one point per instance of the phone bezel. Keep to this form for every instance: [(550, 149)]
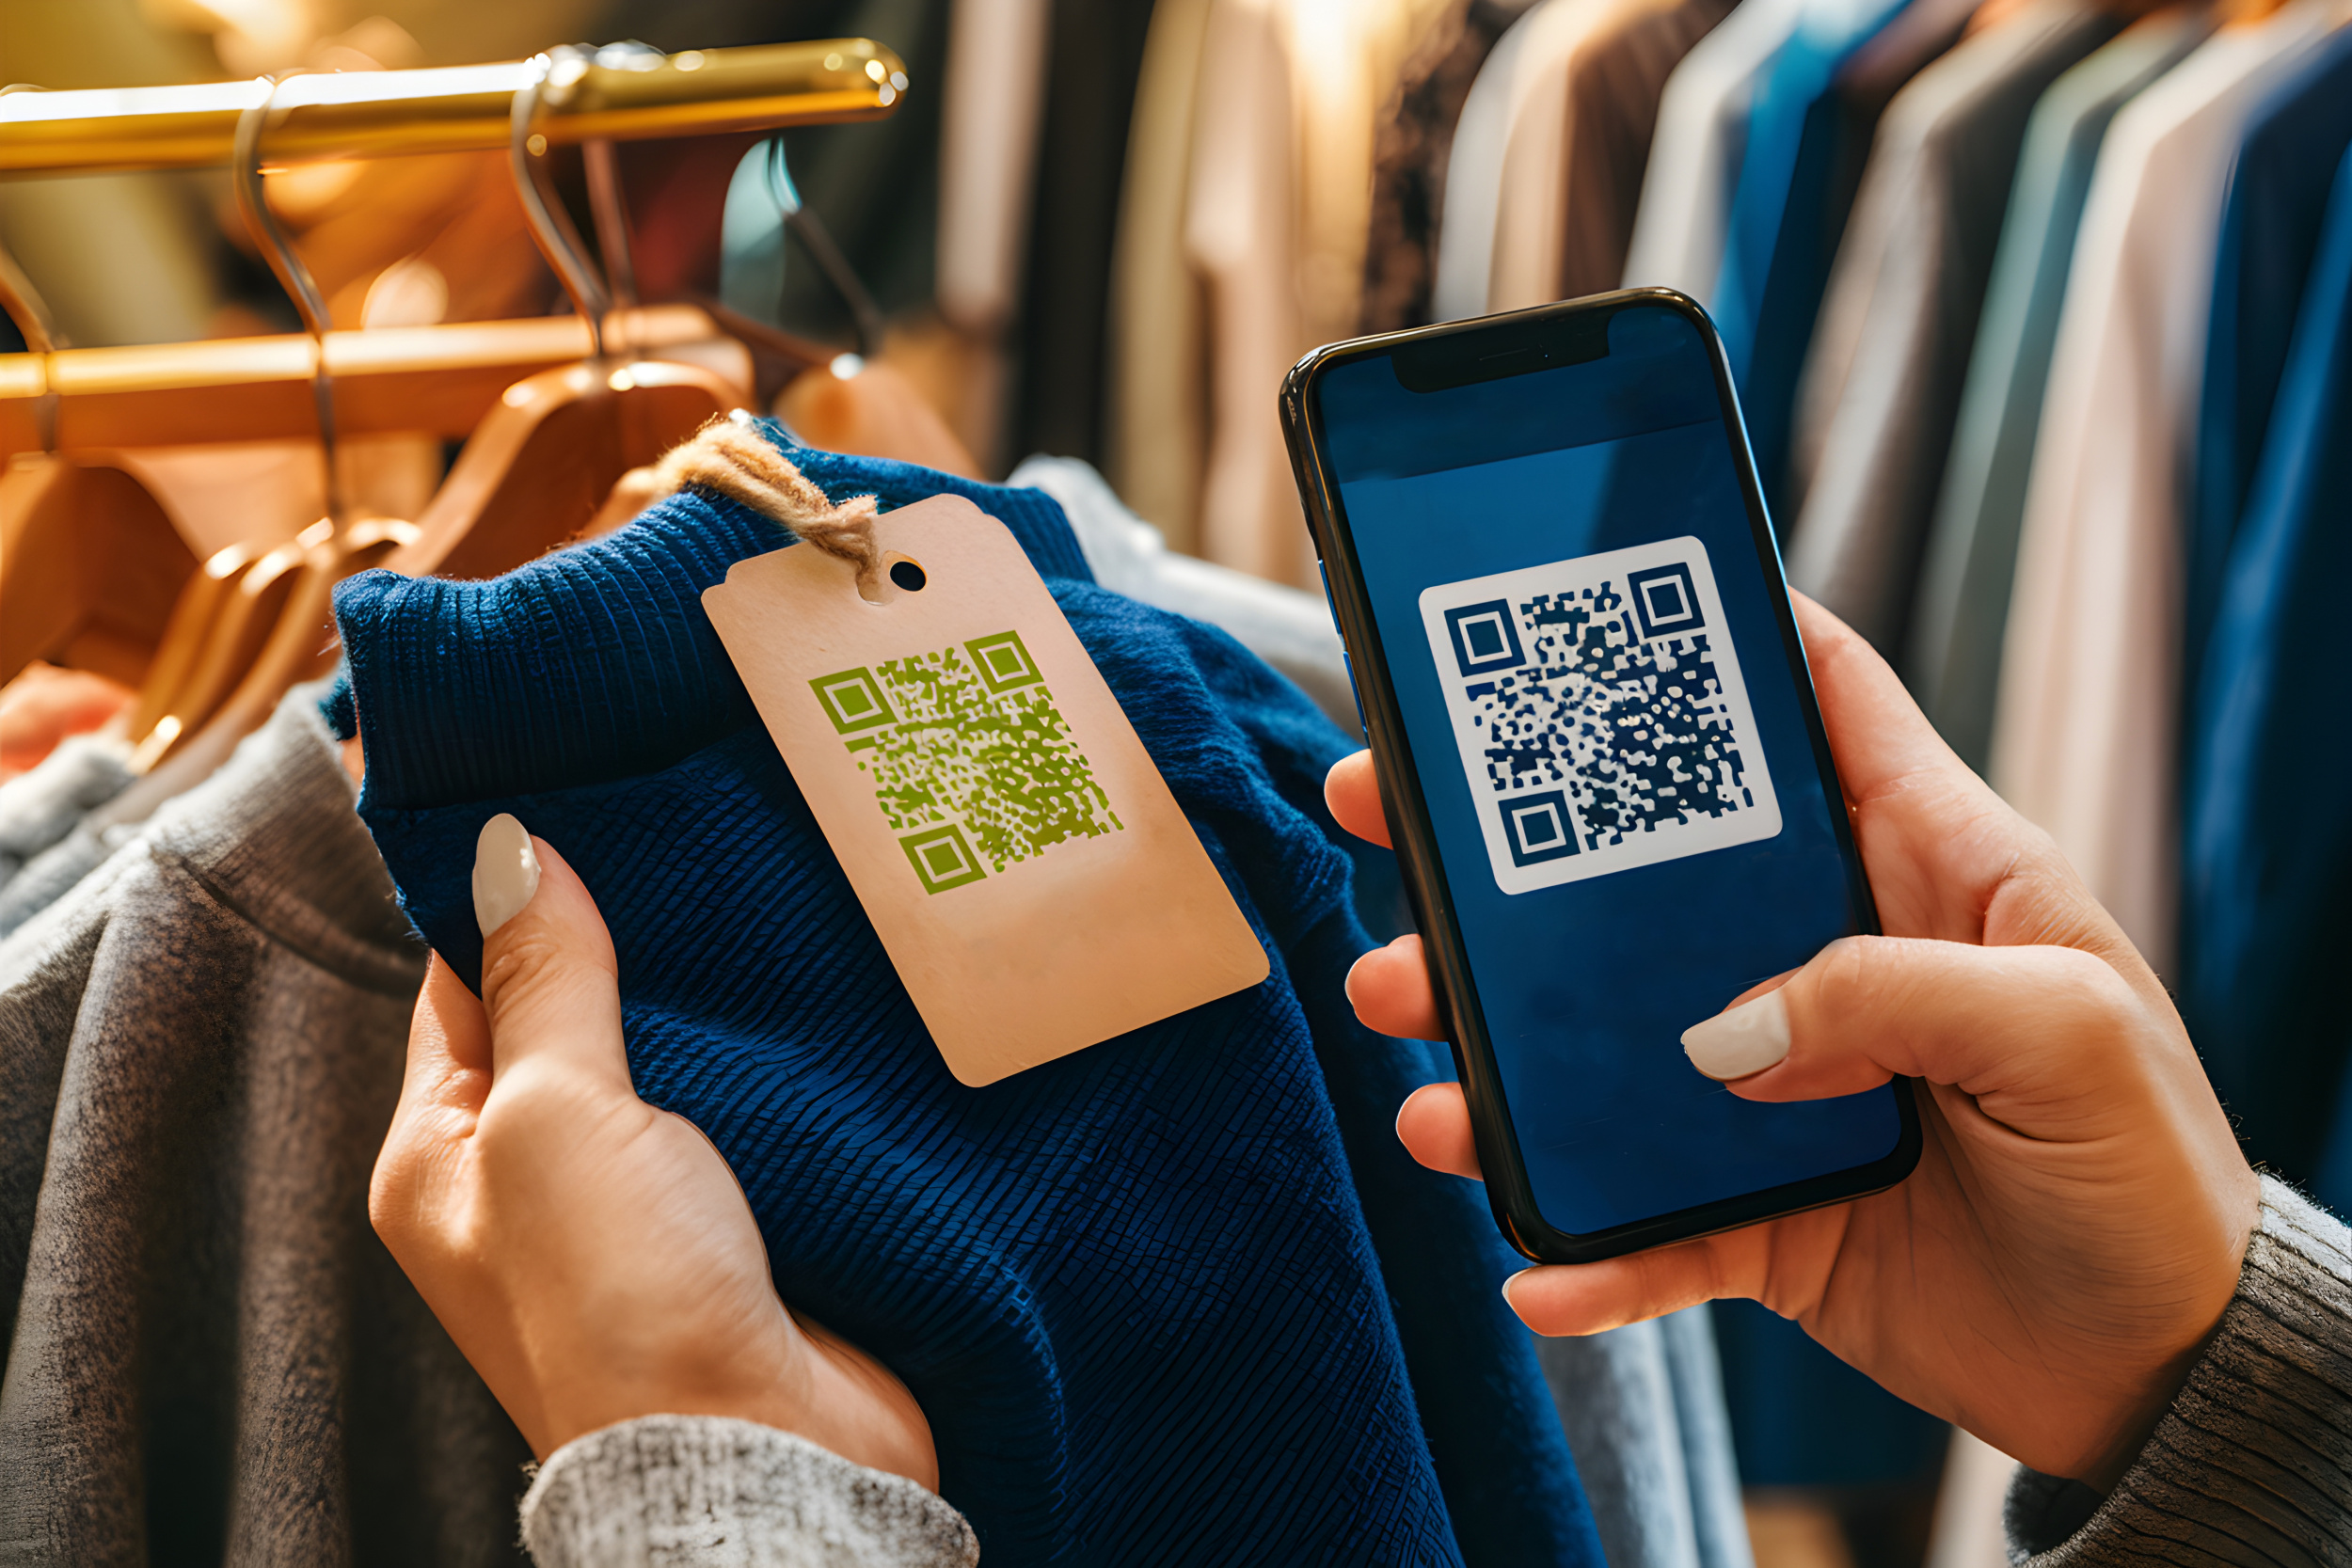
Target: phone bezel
[(1508, 1190)]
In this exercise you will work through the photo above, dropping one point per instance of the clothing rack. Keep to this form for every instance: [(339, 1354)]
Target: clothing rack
[(383, 113), (437, 379)]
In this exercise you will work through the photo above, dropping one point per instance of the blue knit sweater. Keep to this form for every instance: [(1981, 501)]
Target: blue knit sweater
[(1179, 1298)]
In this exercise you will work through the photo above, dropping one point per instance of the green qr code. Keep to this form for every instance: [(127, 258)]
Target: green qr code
[(972, 766)]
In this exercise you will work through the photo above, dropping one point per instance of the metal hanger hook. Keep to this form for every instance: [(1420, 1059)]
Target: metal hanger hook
[(30, 313), (23, 304), (550, 225), (866, 316), (293, 273)]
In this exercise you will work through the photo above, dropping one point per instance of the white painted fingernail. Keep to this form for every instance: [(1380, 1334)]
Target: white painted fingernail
[(505, 872), (1748, 1039)]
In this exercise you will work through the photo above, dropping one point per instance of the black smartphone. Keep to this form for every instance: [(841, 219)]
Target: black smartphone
[(1607, 777)]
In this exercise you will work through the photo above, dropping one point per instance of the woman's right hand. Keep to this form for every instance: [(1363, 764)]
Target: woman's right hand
[(2048, 1275)]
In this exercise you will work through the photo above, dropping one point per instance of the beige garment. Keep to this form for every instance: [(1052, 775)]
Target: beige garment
[(1242, 237), (1276, 223), (2086, 726), (1532, 211), (1156, 429), (992, 105)]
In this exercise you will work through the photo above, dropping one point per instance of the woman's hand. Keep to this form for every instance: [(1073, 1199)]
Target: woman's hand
[(593, 1257), (2048, 1275)]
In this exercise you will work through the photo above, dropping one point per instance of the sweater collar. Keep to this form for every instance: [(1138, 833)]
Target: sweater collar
[(596, 661)]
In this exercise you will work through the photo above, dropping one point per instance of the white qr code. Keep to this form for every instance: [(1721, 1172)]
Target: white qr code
[(1600, 714)]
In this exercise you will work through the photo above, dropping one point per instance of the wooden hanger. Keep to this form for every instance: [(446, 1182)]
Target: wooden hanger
[(271, 630), (437, 380), (186, 636), (541, 465), (90, 561), (441, 380)]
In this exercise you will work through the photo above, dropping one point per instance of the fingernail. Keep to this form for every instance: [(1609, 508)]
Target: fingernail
[(505, 872), (1747, 1040)]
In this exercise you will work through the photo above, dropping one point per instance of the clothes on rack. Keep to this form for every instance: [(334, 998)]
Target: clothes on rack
[(1970, 560), (1156, 394), (2267, 846), (1345, 1362), (1679, 226), (42, 805), (1442, 1432), (2270, 233), (1814, 112), (1413, 147), (1093, 69), (1547, 162), (1289, 628), (2087, 728), (210, 1357), (1644, 1409), (1891, 348)]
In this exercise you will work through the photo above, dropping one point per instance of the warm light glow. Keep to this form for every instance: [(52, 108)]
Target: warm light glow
[(845, 367), (105, 102), (151, 750), (620, 380), (370, 86), (876, 70), (691, 60), (410, 293)]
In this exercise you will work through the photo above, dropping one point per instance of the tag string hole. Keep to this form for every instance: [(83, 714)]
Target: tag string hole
[(908, 576)]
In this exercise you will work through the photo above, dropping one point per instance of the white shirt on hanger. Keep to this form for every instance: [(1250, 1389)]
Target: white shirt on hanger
[(2085, 729), (1680, 228), (1473, 177)]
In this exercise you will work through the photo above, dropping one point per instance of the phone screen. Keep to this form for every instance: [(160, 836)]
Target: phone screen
[(1576, 614)]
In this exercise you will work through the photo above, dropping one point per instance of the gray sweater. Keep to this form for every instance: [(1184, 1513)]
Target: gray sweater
[(210, 1357), (2251, 1465)]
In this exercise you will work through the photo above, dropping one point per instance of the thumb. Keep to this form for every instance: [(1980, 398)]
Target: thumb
[(549, 981), (2025, 1030)]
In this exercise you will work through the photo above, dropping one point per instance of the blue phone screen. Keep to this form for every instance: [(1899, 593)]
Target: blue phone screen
[(1631, 821)]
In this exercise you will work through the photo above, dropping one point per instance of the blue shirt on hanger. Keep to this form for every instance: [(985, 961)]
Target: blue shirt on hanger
[(2268, 799), (1785, 218), (2270, 232)]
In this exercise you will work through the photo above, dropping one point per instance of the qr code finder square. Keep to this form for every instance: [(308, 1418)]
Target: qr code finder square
[(1484, 638), (973, 765), (1600, 713), (1539, 827)]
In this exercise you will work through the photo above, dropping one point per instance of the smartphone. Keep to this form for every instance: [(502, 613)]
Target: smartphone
[(1605, 771)]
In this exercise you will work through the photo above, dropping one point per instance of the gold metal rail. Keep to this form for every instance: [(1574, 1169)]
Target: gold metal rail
[(380, 114)]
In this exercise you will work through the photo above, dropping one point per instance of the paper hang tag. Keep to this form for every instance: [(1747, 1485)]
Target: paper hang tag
[(1019, 854)]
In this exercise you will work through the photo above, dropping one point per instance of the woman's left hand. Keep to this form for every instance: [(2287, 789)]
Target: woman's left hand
[(593, 1257)]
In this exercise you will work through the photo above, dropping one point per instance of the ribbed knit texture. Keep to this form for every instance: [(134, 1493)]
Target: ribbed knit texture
[(2253, 1463), (1177, 1298), (707, 1492)]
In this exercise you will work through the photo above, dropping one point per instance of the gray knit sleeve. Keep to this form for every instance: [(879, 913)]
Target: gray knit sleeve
[(2253, 1463), (708, 1492)]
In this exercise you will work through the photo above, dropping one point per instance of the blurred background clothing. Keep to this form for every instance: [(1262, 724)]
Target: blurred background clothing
[(2034, 308)]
